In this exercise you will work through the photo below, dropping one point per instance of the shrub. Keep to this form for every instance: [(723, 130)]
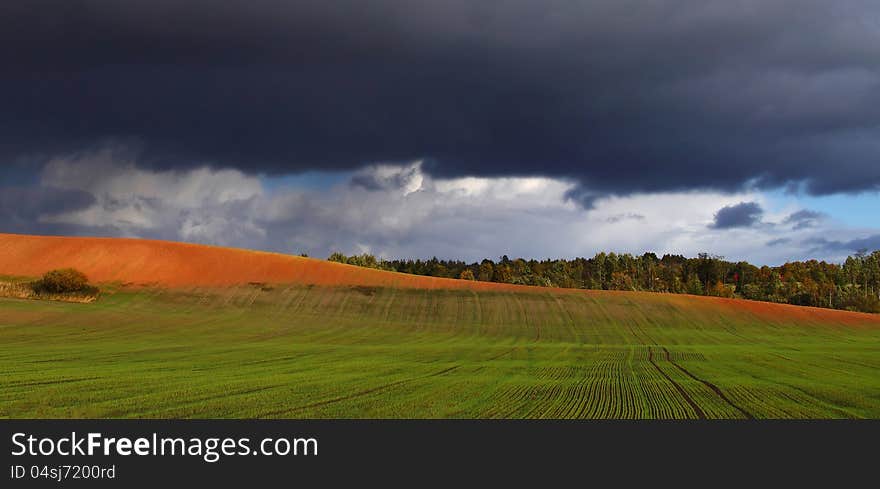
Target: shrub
[(338, 257), (365, 260), (62, 281)]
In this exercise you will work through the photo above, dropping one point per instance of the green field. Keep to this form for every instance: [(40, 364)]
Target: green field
[(312, 352)]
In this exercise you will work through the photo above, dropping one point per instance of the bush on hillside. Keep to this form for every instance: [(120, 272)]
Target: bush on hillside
[(62, 281), (365, 260)]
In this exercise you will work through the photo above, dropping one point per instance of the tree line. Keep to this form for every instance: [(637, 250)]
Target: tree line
[(852, 285)]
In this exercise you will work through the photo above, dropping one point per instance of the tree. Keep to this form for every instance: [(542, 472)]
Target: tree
[(504, 274), (650, 261), (862, 257), (853, 285), (487, 271), (600, 260), (338, 257), (694, 285), (709, 267)]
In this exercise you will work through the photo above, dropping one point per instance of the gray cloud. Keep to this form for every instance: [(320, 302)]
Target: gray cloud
[(388, 178), (407, 213), (620, 96), (21, 208), (779, 241), (744, 214), (804, 218), (869, 243), (621, 217)]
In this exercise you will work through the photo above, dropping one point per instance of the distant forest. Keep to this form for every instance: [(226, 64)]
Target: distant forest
[(853, 285)]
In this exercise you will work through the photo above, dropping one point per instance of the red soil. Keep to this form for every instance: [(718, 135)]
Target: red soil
[(169, 264), (768, 311)]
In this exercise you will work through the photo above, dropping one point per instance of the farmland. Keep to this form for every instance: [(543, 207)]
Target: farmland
[(355, 351)]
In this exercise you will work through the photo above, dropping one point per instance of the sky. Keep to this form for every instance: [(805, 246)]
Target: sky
[(552, 128)]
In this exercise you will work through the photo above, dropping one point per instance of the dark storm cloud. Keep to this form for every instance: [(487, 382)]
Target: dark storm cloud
[(621, 96), (741, 215), (22, 207)]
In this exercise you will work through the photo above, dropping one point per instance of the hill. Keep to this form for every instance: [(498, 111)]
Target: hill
[(308, 338), (171, 264)]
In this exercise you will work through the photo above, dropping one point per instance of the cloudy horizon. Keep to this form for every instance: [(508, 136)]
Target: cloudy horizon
[(400, 211)]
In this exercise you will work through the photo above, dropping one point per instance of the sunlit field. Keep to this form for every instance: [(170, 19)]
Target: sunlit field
[(259, 351)]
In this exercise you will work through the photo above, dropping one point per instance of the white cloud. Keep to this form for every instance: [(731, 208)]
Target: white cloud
[(191, 205), (102, 174), (400, 211)]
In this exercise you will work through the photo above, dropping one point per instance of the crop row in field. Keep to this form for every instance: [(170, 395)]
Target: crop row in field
[(310, 351)]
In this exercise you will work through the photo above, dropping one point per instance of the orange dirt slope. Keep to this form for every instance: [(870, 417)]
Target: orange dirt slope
[(170, 264)]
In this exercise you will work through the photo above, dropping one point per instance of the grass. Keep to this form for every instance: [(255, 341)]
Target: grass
[(328, 352)]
